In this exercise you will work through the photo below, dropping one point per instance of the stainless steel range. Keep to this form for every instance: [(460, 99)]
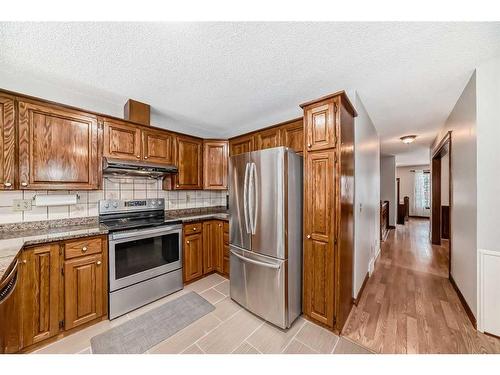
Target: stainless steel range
[(145, 253)]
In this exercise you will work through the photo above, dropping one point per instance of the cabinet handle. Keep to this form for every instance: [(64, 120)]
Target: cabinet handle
[(177, 185), (24, 184), (187, 241), (98, 262), (194, 228), (7, 184), (84, 249), (138, 156), (308, 236), (24, 261), (145, 157), (309, 145)]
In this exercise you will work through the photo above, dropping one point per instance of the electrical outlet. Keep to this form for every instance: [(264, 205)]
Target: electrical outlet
[(21, 205)]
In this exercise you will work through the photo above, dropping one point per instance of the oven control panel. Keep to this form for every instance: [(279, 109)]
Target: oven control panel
[(118, 205)]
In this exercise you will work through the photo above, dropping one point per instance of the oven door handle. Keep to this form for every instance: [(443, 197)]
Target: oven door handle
[(142, 233)]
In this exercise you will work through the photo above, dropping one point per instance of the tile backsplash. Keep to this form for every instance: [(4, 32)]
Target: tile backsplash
[(114, 188)]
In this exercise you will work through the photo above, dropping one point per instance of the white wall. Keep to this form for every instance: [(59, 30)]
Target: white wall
[(445, 180), (407, 185), (488, 194), (462, 123), (366, 196), (388, 184)]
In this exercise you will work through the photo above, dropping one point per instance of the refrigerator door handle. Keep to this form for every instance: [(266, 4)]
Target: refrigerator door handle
[(255, 192), (264, 264), (245, 197)]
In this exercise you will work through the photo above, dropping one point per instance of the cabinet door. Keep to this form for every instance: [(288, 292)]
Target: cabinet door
[(292, 136), (219, 245), (225, 248), (58, 148), (320, 124), (209, 245), (84, 279), (241, 145), (190, 163), (121, 140), (215, 165), (7, 142), (158, 146), (319, 232), (40, 278), (267, 139), (193, 256)]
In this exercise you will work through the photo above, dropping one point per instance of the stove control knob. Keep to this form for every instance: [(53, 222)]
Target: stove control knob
[(115, 204), (106, 205), (153, 203)]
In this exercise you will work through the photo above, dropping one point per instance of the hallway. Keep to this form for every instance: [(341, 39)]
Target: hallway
[(409, 305)]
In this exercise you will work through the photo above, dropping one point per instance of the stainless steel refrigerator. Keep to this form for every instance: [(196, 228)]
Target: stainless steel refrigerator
[(265, 205)]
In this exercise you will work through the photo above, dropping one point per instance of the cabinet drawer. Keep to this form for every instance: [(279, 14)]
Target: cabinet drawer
[(192, 228), (86, 246)]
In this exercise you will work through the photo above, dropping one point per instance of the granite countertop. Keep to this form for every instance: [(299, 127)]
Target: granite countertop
[(13, 237), (12, 242)]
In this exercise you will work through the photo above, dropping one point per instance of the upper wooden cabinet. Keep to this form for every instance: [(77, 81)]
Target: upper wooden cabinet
[(268, 138), (7, 143), (241, 145), (58, 148), (158, 146), (320, 124), (292, 136), (189, 160), (121, 140), (215, 165)]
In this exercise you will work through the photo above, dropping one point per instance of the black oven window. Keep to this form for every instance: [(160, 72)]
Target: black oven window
[(141, 255)]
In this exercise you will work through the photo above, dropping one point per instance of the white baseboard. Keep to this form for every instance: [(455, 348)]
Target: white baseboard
[(371, 265), (488, 293)]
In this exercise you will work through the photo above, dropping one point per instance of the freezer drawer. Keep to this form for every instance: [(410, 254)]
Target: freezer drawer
[(258, 284)]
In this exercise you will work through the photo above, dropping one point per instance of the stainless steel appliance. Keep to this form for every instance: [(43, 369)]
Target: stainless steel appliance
[(145, 253), (265, 205), (117, 167)]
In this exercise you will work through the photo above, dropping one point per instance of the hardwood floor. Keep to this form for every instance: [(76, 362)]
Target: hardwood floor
[(409, 305)]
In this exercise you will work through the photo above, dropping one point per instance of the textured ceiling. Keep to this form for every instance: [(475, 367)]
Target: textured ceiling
[(222, 79)]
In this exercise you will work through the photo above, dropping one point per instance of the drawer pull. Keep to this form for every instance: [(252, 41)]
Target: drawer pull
[(84, 249), (24, 184), (98, 262), (187, 241), (7, 184), (194, 228), (308, 236)]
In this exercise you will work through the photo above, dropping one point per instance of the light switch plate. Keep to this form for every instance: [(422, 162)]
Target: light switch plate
[(21, 205)]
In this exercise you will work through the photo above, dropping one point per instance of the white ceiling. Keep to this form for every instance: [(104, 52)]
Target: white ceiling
[(223, 79)]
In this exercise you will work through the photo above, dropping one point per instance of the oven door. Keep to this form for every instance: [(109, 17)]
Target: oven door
[(138, 255)]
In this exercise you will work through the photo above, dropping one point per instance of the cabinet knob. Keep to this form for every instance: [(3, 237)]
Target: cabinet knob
[(220, 225), (177, 185), (24, 261), (84, 249), (24, 184), (138, 156), (309, 145), (194, 228), (145, 157), (7, 184), (98, 262), (187, 241), (308, 236)]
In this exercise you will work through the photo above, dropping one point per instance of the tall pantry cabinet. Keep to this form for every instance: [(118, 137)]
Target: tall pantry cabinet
[(328, 209)]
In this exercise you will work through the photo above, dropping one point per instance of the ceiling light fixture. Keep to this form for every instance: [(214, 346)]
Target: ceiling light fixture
[(408, 138)]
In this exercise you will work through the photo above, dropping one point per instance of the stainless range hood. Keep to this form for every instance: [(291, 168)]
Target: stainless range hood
[(117, 167)]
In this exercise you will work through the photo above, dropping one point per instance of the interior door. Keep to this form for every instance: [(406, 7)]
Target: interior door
[(239, 225), (266, 202)]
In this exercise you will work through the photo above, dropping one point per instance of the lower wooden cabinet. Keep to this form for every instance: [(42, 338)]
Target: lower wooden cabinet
[(207, 250), (57, 295)]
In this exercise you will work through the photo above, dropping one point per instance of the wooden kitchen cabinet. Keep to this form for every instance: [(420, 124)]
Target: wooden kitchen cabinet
[(328, 210), (58, 148), (215, 165), (240, 145), (40, 276), (292, 136), (158, 146), (193, 255), (121, 140), (189, 160), (209, 246), (267, 138), (7, 143), (84, 289)]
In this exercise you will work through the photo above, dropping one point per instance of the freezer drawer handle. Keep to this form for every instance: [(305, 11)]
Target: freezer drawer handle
[(275, 266)]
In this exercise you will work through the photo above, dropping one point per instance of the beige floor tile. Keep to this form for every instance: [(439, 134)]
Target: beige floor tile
[(348, 347), (186, 337), (296, 347), (223, 288), (317, 338), (246, 348), (212, 296), (193, 349), (226, 308), (230, 334), (269, 339), (206, 283)]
